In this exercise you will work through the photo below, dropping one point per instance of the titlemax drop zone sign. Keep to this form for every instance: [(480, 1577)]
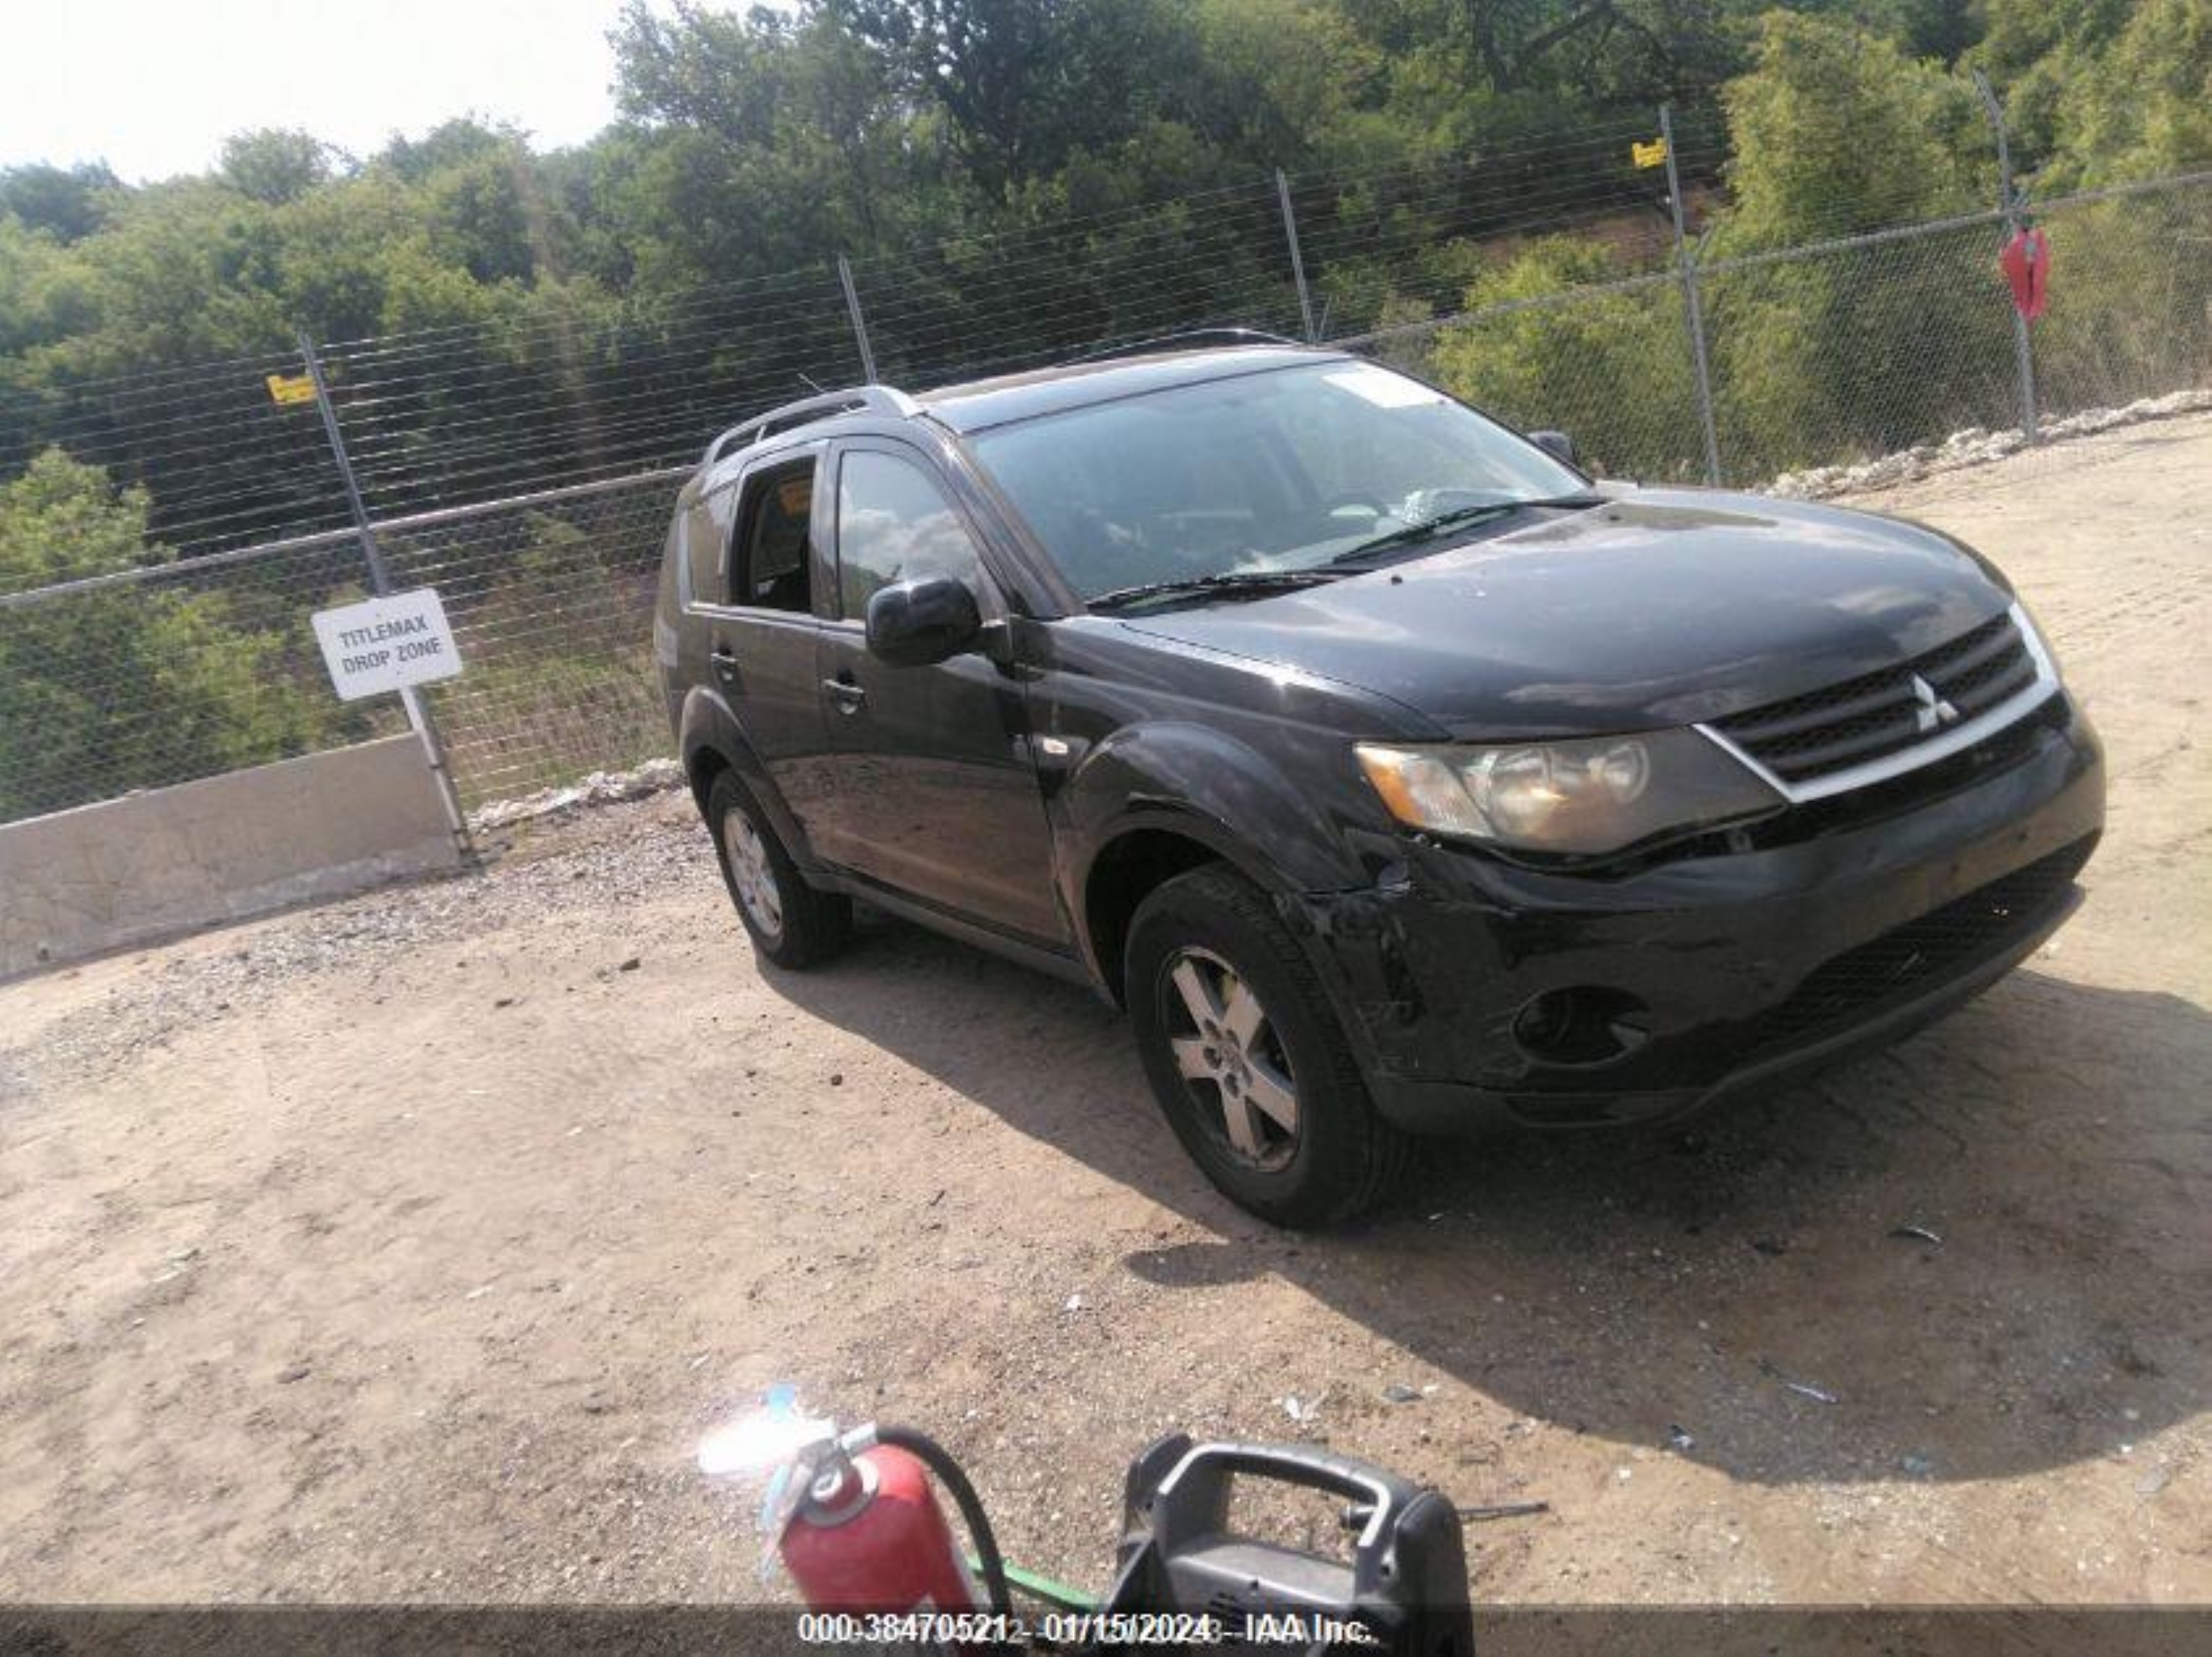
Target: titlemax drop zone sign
[(387, 643)]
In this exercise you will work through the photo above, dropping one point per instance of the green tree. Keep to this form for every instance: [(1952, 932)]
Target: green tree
[(274, 166), (1276, 80), (1022, 84), (2036, 50), (68, 203), (1611, 367), (760, 144), (129, 687), (1835, 133), (1517, 46), (1484, 64), (449, 145), (1940, 31), (44, 297), (2143, 106)]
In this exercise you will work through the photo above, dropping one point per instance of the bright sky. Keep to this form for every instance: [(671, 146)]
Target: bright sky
[(153, 87)]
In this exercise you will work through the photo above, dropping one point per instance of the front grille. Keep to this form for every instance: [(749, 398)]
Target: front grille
[(1923, 951), (1876, 715)]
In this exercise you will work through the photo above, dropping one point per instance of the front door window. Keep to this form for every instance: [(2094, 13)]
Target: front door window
[(894, 523)]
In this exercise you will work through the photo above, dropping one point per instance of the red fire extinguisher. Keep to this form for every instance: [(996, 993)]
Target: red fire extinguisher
[(868, 1536), (853, 1515)]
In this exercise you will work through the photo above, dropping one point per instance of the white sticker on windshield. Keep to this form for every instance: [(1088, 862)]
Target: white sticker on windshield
[(1383, 388)]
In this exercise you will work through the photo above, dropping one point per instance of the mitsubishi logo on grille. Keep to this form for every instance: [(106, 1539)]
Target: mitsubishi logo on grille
[(1934, 712)]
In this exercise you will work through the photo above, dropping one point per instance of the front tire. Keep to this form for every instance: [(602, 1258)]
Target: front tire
[(1247, 1058), (790, 923)]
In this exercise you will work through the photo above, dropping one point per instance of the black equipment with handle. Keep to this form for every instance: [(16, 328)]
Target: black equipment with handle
[(1406, 1582)]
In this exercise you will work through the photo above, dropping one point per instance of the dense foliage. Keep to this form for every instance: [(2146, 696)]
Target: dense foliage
[(181, 683), (762, 143)]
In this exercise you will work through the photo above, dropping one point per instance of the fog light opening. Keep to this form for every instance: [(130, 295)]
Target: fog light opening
[(1582, 1025)]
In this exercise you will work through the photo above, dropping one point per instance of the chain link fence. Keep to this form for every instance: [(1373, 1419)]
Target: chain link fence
[(150, 676), (551, 600), (160, 675), (527, 467)]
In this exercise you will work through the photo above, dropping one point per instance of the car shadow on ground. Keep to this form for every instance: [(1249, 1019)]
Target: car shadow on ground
[(1750, 1286)]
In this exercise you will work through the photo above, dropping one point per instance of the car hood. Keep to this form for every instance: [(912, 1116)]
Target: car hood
[(1659, 608)]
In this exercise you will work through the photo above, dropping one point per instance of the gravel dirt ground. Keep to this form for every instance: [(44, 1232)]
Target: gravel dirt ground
[(404, 1249)]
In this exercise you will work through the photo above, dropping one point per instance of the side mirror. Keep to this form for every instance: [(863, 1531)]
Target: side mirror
[(919, 623), (1558, 445)]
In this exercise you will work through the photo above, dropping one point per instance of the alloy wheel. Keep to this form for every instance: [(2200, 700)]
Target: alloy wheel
[(1232, 1062), (751, 872)]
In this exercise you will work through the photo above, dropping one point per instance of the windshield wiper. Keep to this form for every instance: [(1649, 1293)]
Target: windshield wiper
[(1250, 582), (1461, 517)]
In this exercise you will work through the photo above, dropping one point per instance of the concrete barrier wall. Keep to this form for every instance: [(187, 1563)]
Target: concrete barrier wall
[(150, 865)]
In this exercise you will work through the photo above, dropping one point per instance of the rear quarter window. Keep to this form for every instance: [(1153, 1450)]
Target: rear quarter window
[(706, 534)]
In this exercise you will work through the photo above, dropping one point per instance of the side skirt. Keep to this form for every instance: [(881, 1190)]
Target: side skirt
[(1037, 957)]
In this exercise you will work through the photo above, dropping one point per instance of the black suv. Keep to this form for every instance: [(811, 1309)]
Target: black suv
[(1394, 774)]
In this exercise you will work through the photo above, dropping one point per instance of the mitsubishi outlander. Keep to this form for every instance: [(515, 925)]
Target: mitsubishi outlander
[(1396, 776)]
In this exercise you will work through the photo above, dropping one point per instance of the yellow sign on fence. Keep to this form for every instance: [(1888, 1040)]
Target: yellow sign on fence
[(1651, 154), (299, 388)]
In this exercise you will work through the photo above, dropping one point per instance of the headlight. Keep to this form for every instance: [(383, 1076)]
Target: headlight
[(2038, 642), (1586, 798)]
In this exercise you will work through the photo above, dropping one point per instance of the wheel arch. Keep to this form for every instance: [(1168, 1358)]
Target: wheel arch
[(1155, 799), (701, 766), (1129, 867)]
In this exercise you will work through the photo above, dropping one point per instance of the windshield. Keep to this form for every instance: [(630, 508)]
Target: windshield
[(1284, 470)]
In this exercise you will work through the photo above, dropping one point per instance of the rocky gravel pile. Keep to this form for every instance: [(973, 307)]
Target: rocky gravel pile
[(1974, 447), (598, 788)]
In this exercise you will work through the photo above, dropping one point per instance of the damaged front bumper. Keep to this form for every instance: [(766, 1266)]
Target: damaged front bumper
[(1479, 991)]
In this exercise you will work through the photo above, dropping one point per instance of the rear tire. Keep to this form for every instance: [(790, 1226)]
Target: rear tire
[(790, 923), (1247, 1058)]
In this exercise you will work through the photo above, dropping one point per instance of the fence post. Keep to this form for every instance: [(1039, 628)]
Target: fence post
[(2008, 205), (860, 326), (419, 716), (1693, 305), (1297, 259)]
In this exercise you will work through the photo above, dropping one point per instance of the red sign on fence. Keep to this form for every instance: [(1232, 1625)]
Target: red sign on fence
[(2026, 263)]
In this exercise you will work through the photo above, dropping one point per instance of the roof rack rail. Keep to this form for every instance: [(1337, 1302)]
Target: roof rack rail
[(1187, 339), (873, 400)]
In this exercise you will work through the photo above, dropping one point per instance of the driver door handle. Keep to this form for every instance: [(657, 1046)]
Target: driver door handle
[(725, 664), (849, 697)]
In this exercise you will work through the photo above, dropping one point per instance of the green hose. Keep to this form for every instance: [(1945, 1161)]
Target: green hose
[(1058, 1595)]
